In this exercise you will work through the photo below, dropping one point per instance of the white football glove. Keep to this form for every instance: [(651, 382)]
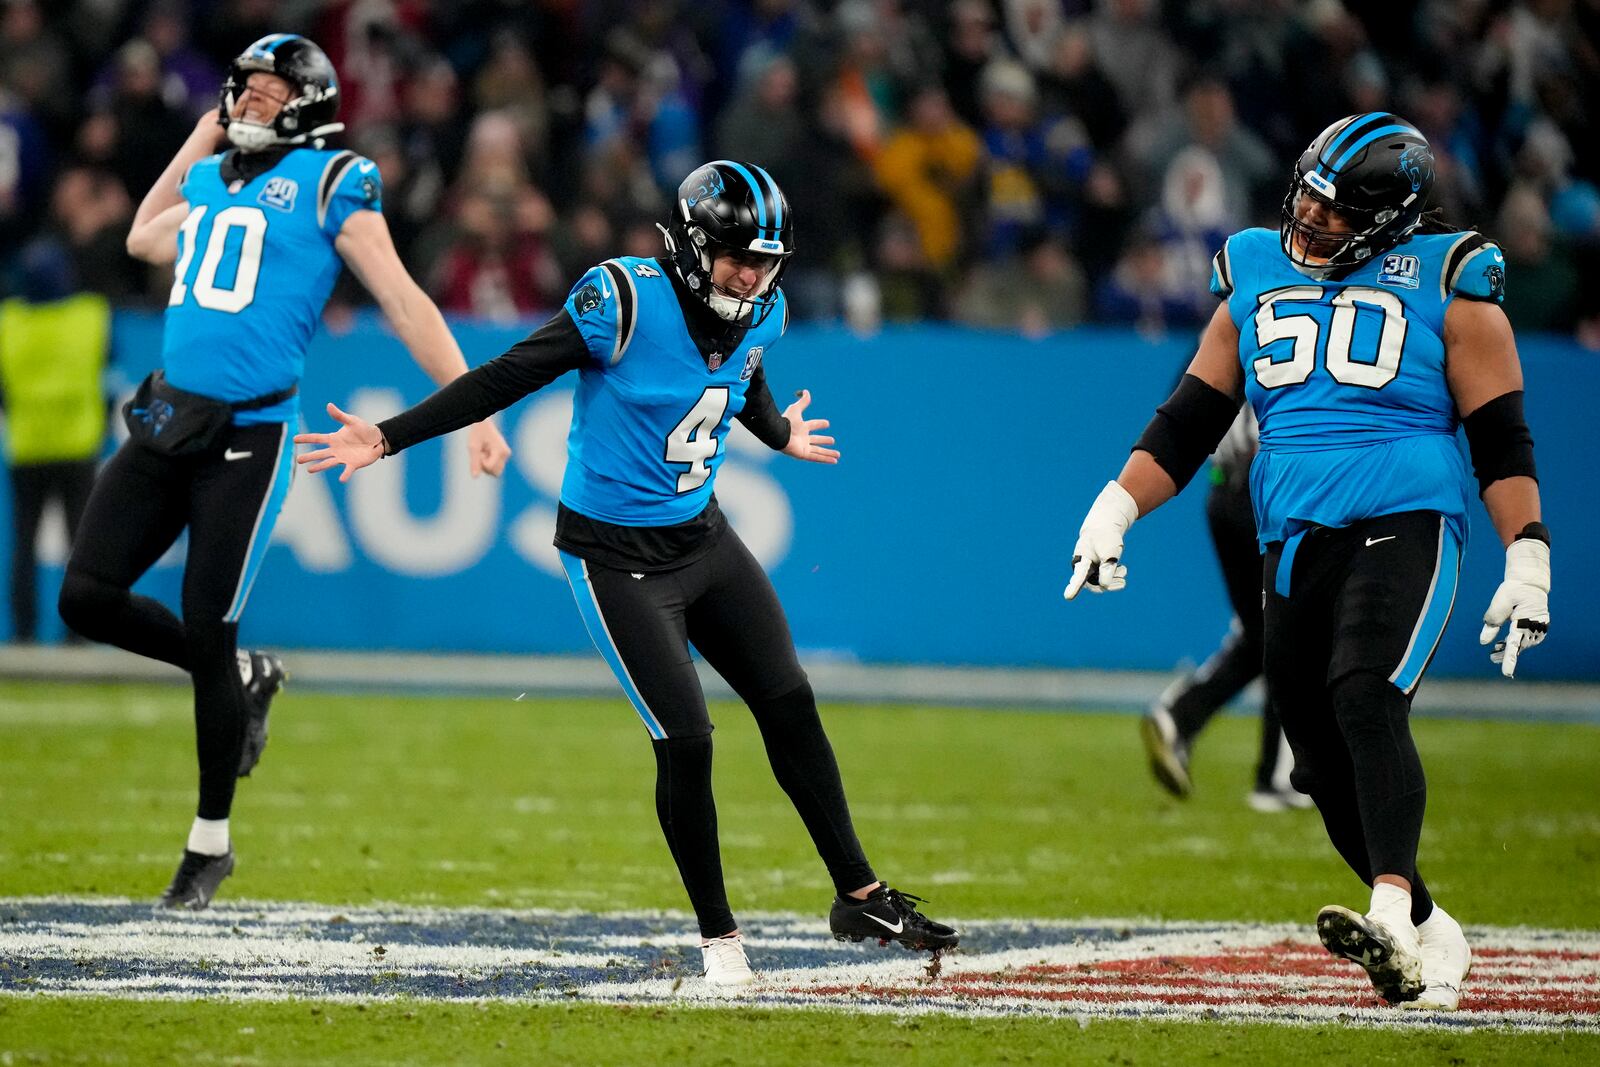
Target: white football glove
[(1524, 599), (1099, 547)]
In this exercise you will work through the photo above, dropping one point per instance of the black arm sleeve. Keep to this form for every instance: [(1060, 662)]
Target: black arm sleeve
[(761, 415), (1501, 443), (530, 364), (1187, 428)]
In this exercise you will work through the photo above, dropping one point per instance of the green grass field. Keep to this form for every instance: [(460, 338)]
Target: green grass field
[(549, 803)]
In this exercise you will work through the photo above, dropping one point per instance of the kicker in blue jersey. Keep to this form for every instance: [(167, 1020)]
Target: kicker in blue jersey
[(651, 417), (256, 263), (1347, 377)]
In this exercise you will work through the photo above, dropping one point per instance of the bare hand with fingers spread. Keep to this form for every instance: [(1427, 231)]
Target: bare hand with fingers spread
[(355, 444), (804, 442)]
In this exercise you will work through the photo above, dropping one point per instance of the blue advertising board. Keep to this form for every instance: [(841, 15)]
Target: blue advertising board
[(944, 535)]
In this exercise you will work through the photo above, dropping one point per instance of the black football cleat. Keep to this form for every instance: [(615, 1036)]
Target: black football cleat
[(1168, 752), (196, 881), (889, 915), (266, 678)]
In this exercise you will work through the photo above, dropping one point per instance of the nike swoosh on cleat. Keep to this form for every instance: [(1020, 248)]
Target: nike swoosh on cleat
[(1378, 540), (898, 927)]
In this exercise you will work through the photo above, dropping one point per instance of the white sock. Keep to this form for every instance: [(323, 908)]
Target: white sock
[(1437, 915), (209, 837), (1389, 899)]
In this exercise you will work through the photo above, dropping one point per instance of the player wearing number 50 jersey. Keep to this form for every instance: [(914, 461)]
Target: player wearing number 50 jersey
[(668, 352), (1363, 336), (257, 233)]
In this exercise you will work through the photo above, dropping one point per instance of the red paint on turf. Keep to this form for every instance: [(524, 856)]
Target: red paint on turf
[(1285, 975)]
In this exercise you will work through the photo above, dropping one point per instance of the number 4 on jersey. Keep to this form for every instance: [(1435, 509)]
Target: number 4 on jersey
[(693, 440)]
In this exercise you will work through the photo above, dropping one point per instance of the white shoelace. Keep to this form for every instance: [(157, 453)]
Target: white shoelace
[(725, 958)]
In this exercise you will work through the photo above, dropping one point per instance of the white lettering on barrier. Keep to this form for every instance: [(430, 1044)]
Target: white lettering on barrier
[(464, 528)]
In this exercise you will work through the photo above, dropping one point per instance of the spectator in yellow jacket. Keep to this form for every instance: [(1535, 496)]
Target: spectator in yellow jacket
[(53, 346)]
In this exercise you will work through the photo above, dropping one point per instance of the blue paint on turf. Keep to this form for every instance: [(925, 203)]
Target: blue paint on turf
[(120, 948), (636, 948)]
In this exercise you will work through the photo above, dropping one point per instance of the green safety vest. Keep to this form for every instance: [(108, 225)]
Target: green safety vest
[(51, 360)]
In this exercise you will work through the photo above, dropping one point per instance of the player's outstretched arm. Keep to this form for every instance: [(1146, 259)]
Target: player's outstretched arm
[(804, 442), (153, 237), (365, 244), (355, 444), (1177, 441), (1485, 379)]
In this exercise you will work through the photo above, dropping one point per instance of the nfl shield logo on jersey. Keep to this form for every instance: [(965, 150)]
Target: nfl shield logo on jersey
[(752, 360)]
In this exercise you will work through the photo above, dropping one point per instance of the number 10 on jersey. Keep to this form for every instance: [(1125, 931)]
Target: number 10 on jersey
[(238, 296)]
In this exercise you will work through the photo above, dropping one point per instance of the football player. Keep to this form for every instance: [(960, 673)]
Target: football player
[(1363, 334), (669, 350), (258, 215), (1171, 726)]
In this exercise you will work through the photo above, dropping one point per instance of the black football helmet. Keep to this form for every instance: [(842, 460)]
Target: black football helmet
[(310, 111), (730, 207), (1376, 171)]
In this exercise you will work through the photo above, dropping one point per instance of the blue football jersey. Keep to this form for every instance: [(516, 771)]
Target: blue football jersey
[(650, 419), (1347, 378), (255, 266)]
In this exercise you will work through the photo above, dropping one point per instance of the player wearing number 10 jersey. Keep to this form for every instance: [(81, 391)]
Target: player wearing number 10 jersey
[(668, 352), (1363, 338), (257, 233)]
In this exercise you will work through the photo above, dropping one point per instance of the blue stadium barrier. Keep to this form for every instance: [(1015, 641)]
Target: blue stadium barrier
[(943, 537)]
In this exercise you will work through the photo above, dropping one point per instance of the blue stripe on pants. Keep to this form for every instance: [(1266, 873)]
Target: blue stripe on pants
[(595, 621), (266, 519), (1435, 612)]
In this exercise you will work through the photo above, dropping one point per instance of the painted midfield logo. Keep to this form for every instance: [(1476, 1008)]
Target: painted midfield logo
[(1522, 979)]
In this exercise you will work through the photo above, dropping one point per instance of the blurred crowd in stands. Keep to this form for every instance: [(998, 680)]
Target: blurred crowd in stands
[(1021, 164)]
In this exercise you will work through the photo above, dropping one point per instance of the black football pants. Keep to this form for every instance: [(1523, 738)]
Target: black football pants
[(228, 500), (724, 606), (1353, 617)]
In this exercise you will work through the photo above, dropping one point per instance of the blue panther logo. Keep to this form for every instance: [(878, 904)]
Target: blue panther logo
[(156, 416), (1496, 277), (711, 186), (1416, 166)]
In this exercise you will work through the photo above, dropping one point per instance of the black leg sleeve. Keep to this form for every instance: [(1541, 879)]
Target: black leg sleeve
[(218, 711), (688, 815), (1194, 700), (1374, 718), (802, 761)]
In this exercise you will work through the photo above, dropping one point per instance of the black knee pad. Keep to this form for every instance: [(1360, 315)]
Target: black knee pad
[(797, 701), (84, 599), (1366, 704)]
